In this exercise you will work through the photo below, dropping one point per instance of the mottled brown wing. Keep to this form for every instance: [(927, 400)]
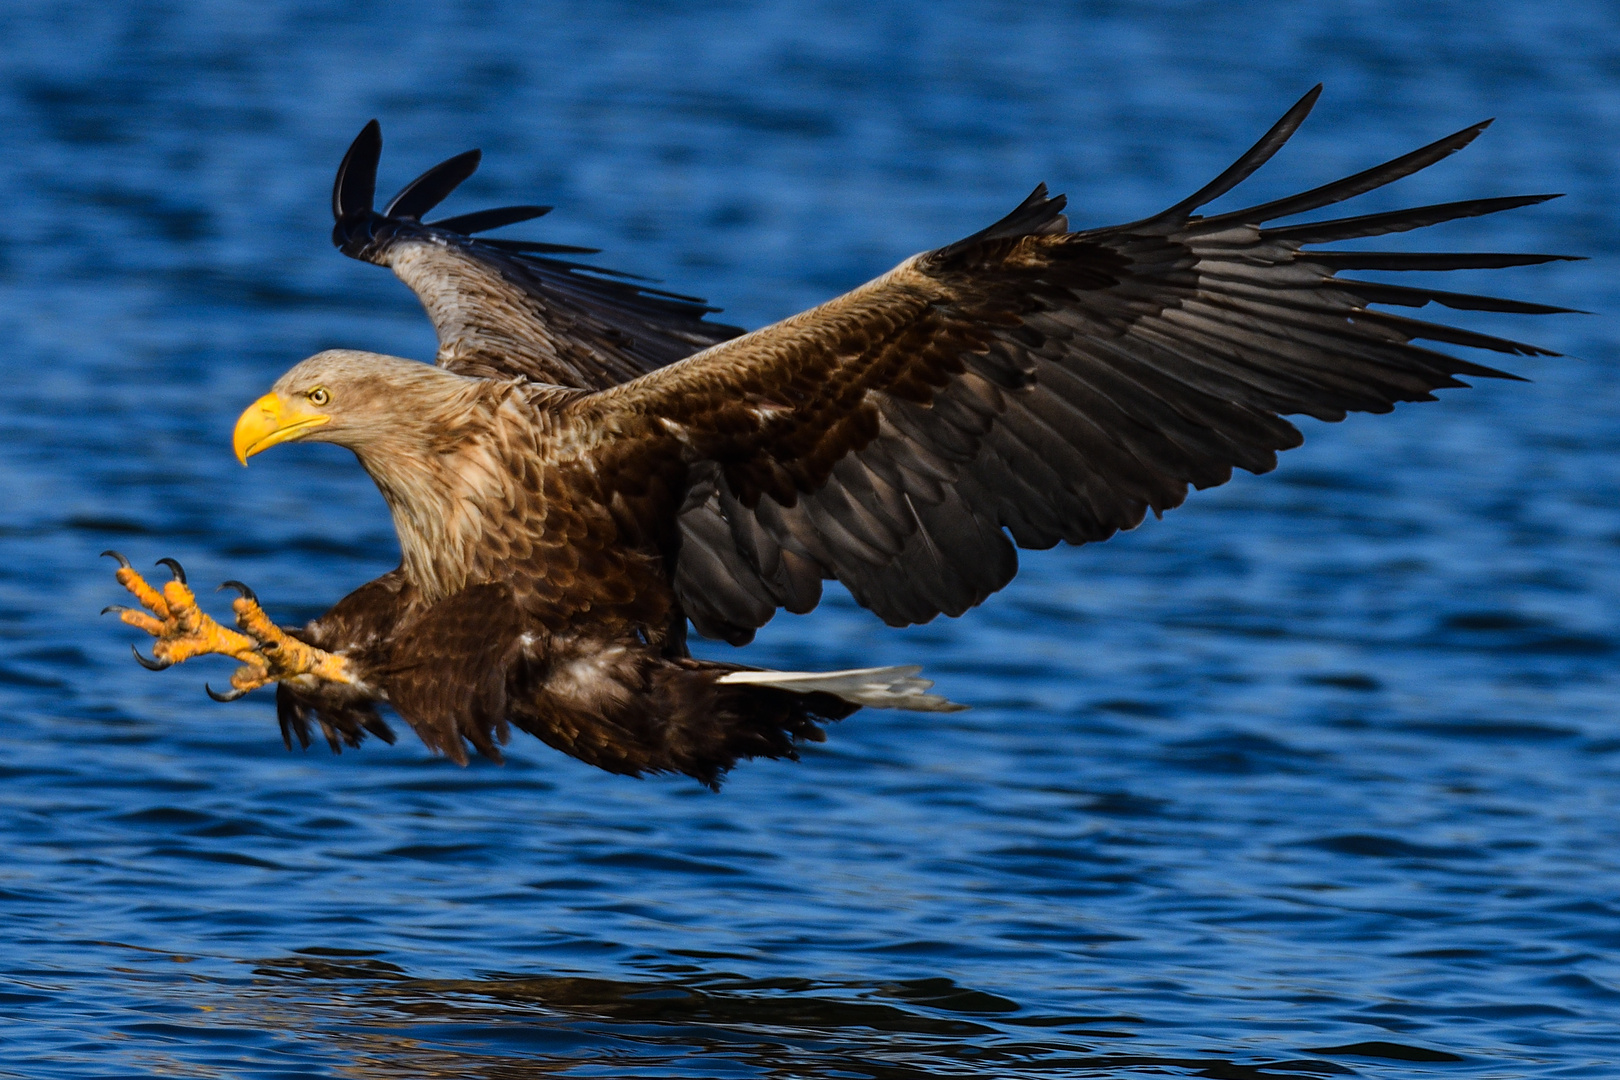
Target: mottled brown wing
[(1032, 381), (511, 307)]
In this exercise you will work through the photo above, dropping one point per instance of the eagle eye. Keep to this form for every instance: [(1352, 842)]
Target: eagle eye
[(319, 396)]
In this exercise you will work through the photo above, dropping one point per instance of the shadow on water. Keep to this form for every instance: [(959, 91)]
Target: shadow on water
[(389, 1023)]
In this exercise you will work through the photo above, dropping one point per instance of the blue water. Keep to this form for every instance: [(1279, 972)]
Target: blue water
[(1317, 776)]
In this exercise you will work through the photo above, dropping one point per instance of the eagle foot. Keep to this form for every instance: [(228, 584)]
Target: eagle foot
[(183, 630), (285, 656)]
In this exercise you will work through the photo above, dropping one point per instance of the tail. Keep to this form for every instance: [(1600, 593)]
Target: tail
[(700, 718), (874, 687)]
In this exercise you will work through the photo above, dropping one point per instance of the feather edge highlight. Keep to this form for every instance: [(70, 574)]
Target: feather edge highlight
[(896, 687)]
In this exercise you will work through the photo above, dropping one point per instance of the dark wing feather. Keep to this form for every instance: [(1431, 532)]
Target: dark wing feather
[(504, 308), (1394, 221), (484, 220), (355, 188), (432, 187), (1026, 381)]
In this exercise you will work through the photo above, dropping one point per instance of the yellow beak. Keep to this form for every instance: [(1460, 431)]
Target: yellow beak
[(271, 420)]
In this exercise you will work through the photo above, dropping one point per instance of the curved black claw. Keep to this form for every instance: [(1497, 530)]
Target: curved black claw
[(247, 593), (110, 608), (150, 665), (111, 554), (175, 568), (229, 695)]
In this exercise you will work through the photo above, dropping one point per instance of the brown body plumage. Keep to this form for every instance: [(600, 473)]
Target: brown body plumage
[(569, 491), (523, 596)]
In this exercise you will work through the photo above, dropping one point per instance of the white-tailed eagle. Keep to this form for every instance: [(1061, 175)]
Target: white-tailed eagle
[(591, 463)]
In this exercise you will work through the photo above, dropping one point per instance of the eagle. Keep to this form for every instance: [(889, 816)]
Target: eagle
[(591, 464)]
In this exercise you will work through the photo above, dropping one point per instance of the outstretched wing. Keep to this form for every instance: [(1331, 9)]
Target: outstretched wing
[(511, 307), (1029, 380)]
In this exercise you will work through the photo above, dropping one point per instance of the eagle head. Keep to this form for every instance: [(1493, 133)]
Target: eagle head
[(354, 399)]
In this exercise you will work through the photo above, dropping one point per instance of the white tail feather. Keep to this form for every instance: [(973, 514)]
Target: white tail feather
[(873, 687)]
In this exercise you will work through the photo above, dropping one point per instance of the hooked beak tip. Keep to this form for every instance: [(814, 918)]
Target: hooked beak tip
[(270, 421)]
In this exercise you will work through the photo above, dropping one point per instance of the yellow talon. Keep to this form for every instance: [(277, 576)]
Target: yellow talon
[(267, 653)]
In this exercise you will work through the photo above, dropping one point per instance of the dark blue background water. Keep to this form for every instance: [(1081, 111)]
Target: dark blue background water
[(1317, 776)]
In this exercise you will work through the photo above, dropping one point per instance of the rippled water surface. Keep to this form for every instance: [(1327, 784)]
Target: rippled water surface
[(1317, 776)]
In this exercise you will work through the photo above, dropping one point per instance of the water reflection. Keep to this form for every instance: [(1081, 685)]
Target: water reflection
[(713, 1023)]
